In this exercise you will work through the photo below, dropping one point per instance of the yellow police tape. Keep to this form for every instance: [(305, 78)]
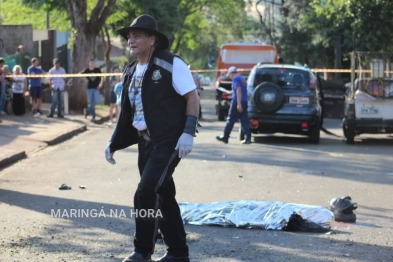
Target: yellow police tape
[(317, 70)]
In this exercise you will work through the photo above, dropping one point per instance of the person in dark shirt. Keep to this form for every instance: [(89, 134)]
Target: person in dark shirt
[(94, 84)]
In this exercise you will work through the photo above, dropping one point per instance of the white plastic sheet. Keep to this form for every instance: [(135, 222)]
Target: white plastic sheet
[(273, 215)]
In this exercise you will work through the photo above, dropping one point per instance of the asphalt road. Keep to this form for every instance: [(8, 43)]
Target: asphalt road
[(273, 167)]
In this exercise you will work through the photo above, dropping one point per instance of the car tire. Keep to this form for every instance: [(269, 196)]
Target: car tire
[(241, 134), (349, 132), (268, 97), (344, 129), (314, 136)]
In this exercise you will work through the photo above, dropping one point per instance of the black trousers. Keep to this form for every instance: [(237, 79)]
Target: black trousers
[(18, 104), (156, 190)]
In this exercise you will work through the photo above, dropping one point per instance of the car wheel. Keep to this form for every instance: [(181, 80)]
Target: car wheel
[(349, 132), (241, 134), (314, 135), (268, 97), (344, 129)]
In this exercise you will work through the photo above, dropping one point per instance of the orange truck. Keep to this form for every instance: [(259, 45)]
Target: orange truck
[(244, 56)]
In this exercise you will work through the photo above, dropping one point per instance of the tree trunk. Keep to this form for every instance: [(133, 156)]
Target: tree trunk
[(81, 55), (337, 57), (84, 43), (106, 48)]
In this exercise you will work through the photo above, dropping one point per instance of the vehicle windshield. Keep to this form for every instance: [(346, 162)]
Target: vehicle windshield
[(284, 77)]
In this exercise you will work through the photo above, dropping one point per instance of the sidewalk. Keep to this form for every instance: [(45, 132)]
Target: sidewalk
[(21, 136)]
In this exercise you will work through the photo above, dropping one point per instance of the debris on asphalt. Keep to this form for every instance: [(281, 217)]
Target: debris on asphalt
[(82, 187), (306, 172), (297, 224), (64, 187)]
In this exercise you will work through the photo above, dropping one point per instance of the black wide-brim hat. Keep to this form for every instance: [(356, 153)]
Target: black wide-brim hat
[(146, 23)]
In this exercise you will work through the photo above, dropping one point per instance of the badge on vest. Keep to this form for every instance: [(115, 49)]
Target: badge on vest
[(156, 75)]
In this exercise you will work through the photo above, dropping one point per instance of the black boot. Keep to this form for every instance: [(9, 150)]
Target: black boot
[(222, 139), (169, 258), (136, 257)]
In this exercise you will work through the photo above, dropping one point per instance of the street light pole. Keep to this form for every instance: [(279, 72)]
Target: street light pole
[(47, 20)]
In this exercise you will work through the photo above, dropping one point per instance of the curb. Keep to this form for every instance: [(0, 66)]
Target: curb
[(66, 136), (21, 155), (12, 159)]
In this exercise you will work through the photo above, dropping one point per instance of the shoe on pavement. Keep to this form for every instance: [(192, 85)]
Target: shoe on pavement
[(50, 115), (342, 208), (169, 258), (60, 116), (3, 113), (136, 257), (85, 112), (222, 139), (245, 142), (37, 114)]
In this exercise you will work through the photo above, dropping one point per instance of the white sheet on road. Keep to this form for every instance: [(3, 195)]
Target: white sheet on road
[(273, 215)]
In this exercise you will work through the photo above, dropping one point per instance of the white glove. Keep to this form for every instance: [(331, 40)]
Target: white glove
[(109, 155), (184, 145)]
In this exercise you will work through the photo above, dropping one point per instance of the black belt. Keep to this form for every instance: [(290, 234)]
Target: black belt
[(145, 134)]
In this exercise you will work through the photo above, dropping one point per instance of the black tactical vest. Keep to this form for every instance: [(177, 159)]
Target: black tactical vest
[(164, 108)]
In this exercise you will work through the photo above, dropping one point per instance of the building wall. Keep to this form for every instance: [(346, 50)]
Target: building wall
[(13, 35)]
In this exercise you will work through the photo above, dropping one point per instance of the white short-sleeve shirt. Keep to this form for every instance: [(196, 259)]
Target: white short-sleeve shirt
[(182, 82)]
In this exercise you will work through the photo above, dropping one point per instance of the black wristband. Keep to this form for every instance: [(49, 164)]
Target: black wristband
[(191, 124)]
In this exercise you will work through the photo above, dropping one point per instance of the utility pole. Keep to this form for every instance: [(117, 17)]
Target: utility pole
[(47, 20)]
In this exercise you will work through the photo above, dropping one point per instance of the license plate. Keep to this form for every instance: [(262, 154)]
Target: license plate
[(299, 100), (369, 110)]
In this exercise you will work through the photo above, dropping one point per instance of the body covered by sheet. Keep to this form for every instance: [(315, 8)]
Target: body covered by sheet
[(273, 215)]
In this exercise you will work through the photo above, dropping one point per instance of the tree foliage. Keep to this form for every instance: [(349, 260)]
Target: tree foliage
[(195, 28), (28, 14), (369, 21), (314, 31)]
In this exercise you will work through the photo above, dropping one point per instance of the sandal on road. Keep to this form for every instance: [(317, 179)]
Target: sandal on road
[(64, 187)]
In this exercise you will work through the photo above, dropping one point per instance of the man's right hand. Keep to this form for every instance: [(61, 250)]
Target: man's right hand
[(109, 155)]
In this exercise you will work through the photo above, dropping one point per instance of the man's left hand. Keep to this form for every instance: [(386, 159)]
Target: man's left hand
[(239, 108), (184, 145)]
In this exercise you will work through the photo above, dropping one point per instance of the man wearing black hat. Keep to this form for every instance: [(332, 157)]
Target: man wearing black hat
[(159, 112)]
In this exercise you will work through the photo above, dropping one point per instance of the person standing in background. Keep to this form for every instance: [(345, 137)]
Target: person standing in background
[(112, 96), (94, 84), (238, 108), (36, 91), (2, 87), (7, 85), (57, 85), (19, 87), (198, 83), (117, 90)]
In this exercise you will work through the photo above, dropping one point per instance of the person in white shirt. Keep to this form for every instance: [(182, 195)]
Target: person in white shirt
[(57, 87), (159, 114), (19, 86)]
